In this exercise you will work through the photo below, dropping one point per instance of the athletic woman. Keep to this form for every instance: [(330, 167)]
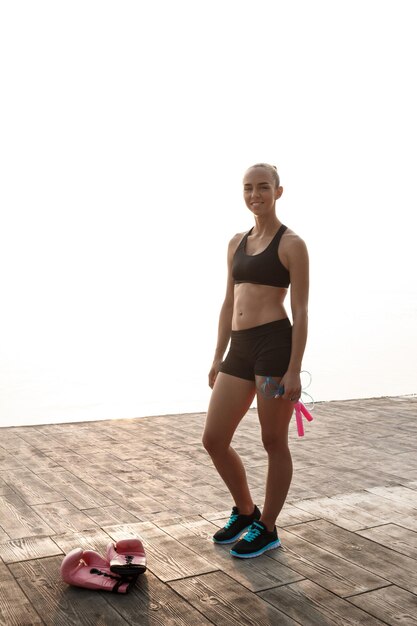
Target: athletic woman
[(261, 265)]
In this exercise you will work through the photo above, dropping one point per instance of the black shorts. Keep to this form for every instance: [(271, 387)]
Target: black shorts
[(262, 350)]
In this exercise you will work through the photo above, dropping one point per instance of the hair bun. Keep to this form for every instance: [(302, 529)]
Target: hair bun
[(272, 169)]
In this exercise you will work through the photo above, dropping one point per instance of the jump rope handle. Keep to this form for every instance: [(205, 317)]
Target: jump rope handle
[(301, 410), (271, 390)]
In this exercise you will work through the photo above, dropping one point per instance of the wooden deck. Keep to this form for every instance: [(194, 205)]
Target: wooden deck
[(349, 529)]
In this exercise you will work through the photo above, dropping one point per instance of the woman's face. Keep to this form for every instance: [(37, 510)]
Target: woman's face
[(259, 191)]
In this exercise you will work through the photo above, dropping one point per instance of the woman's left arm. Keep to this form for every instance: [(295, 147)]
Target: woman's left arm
[(298, 265)]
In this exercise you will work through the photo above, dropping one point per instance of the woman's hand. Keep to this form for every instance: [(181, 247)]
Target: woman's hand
[(291, 382), (213, 373)]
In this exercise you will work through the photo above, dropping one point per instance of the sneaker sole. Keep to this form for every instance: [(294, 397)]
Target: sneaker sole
[(235, 538), (251, 555)]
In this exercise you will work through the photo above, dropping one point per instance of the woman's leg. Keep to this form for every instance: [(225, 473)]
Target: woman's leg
[(230, 400), (274, 417)]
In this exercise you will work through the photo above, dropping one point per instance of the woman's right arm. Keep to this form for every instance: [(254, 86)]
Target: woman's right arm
[(226, 314)]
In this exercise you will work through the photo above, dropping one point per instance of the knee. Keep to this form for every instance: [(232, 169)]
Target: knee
[(214, 444), (275, 445), (207, 442)]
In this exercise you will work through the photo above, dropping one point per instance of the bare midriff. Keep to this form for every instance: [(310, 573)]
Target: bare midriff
[(257, 304)]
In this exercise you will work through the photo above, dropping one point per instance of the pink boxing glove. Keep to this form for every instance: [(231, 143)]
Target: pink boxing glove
[(86, 568), (127, 557)]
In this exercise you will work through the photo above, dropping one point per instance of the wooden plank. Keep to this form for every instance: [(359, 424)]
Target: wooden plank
[(160, 462), (154, 603), (28, 548), (6, 490), (57, 602), (68, 459), (164, 491), (407, 522), (187, 470), (142, 505), (299, 491), (168, 479), (392, 566), (33, 436), (15, 608), (394, 537), (168, 496), (63, 517), (9, 439), (392, 605), (31, 488), (79, 435), (8, 460), (111, 515), (226, 603), (197, 454), (75, 490), (398, 465), (408, 466), (346, 516), (167, 558), (124, 470), (114, 489), (90, 539), (401, 494), (17, 519), (308, 603), (201, 492), (33, 459), (384, 509), (394, 446), (4, 487), (328, 484), (166, 518), (260, 573), (331, 571)]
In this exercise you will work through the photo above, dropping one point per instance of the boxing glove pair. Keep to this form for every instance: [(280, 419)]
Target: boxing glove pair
[(124, 561)]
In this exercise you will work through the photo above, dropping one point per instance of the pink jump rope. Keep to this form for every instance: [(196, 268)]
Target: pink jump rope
[(271, 389)]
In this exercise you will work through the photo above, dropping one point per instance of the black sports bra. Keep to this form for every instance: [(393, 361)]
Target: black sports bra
[(264, 268)]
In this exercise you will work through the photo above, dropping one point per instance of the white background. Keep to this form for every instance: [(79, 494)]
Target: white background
[(126, 128)]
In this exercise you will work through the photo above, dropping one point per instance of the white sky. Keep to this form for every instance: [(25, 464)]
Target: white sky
[(125, 130)]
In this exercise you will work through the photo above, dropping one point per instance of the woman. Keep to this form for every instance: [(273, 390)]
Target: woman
[(261, 265)]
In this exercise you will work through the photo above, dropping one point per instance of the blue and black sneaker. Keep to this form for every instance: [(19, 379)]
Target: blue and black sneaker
[(236, 525), (256, 541)]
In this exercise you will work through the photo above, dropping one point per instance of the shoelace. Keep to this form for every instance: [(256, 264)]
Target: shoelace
[(94, 570), (231, 520), (253, 532), (120, 580)]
